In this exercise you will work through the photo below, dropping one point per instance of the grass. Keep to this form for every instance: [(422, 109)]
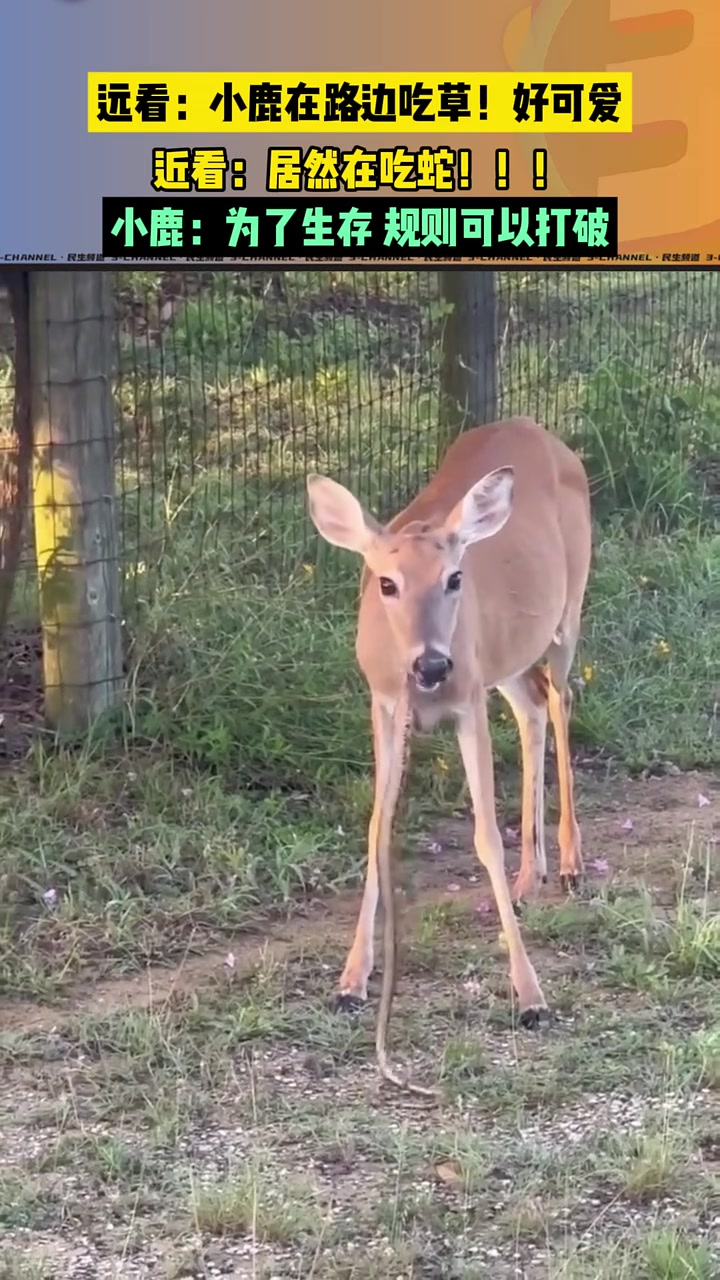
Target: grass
[(180, 1095), (233, 1118), (660, 1255), (248, 1201), (244, 785), (243, 779)]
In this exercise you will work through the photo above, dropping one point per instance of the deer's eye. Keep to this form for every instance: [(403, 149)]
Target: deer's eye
[(388, 587), (453, 582)]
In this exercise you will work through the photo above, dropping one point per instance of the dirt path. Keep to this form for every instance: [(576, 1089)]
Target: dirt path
[(672, 817)]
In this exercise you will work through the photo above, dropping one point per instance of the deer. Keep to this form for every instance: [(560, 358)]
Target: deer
[(476, 585)]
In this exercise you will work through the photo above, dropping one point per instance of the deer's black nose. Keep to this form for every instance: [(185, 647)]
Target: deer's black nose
[(431, 668)]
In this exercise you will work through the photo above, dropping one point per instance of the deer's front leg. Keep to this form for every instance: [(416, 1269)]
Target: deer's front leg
[(352, 990), (474, 740)]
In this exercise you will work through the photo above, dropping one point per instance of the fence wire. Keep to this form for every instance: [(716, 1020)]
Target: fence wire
[(230, 387)]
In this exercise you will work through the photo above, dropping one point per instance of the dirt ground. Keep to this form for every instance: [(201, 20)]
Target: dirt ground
[(667, 816), (217, 1118)]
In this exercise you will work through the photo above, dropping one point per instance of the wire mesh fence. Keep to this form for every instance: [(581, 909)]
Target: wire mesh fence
[(230, 387)]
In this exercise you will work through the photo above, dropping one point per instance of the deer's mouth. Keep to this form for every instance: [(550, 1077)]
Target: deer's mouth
[(431, 669), (426, 685)]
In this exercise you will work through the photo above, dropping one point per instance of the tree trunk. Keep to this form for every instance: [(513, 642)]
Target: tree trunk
[(16, 447)]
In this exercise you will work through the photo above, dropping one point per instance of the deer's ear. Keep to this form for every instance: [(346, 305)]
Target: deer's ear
[(484, 509), (339, 517)]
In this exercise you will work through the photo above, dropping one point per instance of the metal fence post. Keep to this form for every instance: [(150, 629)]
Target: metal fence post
[(469, 378)]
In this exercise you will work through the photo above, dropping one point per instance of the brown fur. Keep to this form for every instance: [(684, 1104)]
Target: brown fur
[(525, 578)]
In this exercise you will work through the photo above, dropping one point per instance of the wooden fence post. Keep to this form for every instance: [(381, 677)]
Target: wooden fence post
[(469, 362), (73, 494)]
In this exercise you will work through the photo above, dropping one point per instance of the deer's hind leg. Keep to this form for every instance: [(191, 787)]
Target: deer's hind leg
[(560, 699), (527, 697)]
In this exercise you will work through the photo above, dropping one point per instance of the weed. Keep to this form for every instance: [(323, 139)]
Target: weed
[(649, 1165), (666, 1255), (248, 1202)]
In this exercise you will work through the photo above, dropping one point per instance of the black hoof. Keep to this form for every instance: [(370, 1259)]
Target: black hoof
[(532, 1019), (543, 879), (518, 905), (346, 1002), (570, 884)]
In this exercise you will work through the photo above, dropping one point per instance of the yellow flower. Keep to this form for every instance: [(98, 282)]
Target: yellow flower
[(662, 648), (588, 673), (309, 570), (441, 764)]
